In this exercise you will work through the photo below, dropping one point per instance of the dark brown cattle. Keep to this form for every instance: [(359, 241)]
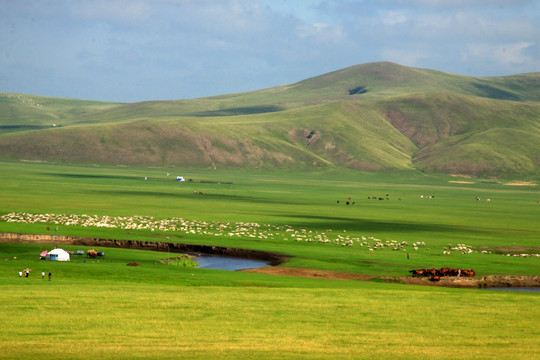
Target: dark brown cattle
[(468, 272), (442, 272), (417, 273), (449, 272), (445, 271)]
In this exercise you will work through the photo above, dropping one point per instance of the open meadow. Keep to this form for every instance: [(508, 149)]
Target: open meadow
[(376, 224)]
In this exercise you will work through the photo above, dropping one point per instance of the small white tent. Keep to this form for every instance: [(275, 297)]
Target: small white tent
[(57, 255)]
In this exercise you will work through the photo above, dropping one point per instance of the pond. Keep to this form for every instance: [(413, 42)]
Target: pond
[(521, 289), (227, 263)]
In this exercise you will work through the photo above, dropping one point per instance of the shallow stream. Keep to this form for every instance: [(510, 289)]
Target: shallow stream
[(522, 289), (227, 263)]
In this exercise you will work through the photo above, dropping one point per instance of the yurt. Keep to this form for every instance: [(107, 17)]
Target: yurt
[(58, 255)]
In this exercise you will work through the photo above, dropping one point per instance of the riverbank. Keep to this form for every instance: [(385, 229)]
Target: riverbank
[(489, 281), (272, 259)]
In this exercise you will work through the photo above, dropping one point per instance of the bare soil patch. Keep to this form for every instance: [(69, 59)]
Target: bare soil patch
[(511, 248), (461, 182), (461, 175), (321, 274), (520, 183)]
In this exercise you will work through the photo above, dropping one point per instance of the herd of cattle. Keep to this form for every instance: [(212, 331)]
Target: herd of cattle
[(436, 274)]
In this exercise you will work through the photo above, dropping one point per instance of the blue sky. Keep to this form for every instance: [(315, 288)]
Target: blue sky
[(136, 50)]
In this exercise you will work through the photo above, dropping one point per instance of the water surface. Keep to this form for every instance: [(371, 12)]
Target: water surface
[(521, 289), (227, 263)]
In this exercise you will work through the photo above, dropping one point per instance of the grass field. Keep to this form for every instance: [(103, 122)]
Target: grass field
[(109, 310)]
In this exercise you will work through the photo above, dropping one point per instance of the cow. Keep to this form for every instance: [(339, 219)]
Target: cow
[(417, 273), (445, 271), (468, 272), (433, 271)]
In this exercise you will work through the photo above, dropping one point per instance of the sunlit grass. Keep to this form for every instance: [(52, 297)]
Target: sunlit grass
[(384, 321), (103, 308)]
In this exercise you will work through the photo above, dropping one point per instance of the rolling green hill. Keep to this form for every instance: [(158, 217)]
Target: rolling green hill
[(378, 116)]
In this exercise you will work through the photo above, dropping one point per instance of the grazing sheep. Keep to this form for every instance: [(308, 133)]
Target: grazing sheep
[(214, 229)]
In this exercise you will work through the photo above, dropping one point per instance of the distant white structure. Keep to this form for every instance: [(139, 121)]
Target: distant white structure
[(180, 178), (57, 255)]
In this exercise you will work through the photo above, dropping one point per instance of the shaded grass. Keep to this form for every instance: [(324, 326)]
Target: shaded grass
[(248, 110)]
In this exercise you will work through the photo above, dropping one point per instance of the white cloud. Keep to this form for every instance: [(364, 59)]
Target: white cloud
[(504, 54), (409, 57), (322, 33), (393, 18), (123, 11), (455, 4)]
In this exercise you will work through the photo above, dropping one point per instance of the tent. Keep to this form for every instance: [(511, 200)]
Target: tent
[(58, 255), (43, 255)]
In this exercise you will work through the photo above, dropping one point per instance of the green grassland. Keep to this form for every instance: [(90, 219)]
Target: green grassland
[(372, 117), (42, 111), (107, 309)]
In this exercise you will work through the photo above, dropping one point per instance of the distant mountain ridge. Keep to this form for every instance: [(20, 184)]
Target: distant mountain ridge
[(375, 117)]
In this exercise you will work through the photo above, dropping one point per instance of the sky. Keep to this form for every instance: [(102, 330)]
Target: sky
[(138, 50)]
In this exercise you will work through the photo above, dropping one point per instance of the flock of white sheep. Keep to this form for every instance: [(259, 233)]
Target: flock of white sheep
[(217, 229), (524, 255), (24, 99)]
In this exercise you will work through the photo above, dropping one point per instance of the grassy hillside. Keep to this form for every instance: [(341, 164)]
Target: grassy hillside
[(459, 134), (376, 116), (21, 112)]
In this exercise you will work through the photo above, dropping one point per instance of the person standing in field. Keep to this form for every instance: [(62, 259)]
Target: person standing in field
[(43, 274), (50, 275)]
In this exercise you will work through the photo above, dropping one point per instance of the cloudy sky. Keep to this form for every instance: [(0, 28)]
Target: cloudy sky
[(135, 50)]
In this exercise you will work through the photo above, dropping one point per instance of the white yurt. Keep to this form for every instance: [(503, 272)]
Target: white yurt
[(58, 255)]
